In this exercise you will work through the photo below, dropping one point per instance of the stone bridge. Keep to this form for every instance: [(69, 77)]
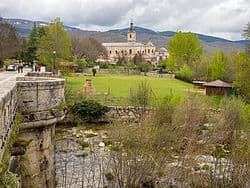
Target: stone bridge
[(38, 102)]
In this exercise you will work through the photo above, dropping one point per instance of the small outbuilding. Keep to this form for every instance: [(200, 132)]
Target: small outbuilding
[(199, 84), (218, 87)]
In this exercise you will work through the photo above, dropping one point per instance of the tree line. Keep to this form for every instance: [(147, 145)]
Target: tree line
[(188, 61), (48, 44)]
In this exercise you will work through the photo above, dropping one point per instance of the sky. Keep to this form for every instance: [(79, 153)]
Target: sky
[(222, 18)]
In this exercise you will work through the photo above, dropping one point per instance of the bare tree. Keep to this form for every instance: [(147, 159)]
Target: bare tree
[(88, 48), (11, 43)]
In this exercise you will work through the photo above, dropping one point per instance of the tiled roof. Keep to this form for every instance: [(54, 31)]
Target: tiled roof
[(218, 83), (123, 44)]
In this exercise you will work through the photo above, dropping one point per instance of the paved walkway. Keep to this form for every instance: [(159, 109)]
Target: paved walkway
[(8, 81)]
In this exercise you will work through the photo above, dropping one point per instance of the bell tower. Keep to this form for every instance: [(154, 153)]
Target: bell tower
[(131, 37)]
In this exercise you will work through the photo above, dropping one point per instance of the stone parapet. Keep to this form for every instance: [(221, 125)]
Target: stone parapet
[(41, 105), (40, 99), (8, 109), (40, 74)]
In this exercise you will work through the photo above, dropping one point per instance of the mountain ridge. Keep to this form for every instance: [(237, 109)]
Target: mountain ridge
[(144, 35)]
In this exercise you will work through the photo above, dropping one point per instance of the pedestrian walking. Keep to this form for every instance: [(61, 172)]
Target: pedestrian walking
[(18, 67), (38, 68), (21, 67)]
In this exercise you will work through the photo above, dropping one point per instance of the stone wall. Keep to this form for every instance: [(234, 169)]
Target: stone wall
[(112, 71), (40, 103), (37, 165), (8, 109), (157, 75), (126, 113), (130, 72), (40, 100)]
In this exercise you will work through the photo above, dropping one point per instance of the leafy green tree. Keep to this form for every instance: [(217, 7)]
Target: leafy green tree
[(184, 48), (55, 39), (185, 72), (202, 69), (242, 74), (129, 66), (217, 66), (144, 67), (170, 64)]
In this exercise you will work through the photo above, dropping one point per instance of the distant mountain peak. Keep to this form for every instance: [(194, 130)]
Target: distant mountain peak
[(144, 35)]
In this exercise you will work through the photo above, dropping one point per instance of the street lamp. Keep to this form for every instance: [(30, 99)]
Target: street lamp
[(54, 62)]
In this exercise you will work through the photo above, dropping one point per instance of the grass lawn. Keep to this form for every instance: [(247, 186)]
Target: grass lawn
[(120, 85)]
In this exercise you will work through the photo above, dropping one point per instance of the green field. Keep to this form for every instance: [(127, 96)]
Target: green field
[(120, 85)]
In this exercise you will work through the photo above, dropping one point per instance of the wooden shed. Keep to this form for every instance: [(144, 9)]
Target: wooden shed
[(218, 87), (199, 84)]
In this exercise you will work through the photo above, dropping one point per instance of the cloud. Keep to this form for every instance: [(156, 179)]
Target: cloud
[(225, 18)]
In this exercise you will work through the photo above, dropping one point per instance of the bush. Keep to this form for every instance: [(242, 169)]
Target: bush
[(83, 144), (89, 110), (109, 176), (85, 154), (141, 95), (185, 72)]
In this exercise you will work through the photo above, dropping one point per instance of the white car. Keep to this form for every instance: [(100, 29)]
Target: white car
[(11, 68)]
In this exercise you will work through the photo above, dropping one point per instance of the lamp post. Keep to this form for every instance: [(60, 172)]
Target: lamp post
[(54, 61)]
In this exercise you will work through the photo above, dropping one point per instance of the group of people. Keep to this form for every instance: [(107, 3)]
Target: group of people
[(36, 68), (20, 67)]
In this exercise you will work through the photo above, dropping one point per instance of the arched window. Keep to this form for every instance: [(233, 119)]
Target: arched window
[(130, 51), (110, 51), (130, 36), (149, 51)]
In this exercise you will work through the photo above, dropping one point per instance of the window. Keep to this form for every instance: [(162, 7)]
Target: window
[(116, 52), (110, 51), (130, 36), (152, 51), (130, 51), (149, 51)]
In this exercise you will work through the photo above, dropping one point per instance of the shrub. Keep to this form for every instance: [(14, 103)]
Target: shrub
[(141, 95), (89, 135), (109, 176), (89, 110), (83, 144), (85, 154)]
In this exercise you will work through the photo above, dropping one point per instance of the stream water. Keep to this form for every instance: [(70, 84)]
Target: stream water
[(81, 157)]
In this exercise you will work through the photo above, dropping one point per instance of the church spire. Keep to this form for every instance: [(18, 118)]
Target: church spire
[(131, 37), (131, 29)]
